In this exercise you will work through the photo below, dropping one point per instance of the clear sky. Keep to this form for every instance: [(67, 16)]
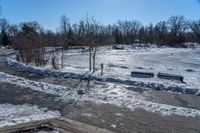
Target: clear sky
[(48, 12)]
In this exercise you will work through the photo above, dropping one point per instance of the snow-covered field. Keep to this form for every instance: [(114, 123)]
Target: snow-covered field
[(17, 114), (120, 63), (112, 94)]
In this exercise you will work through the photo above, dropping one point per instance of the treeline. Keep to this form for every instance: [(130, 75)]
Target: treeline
[(30, 38), (89, 31)]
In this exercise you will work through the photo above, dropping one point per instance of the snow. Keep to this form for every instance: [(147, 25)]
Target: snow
[(120, 73), (88, 115), (32, 84), (170, 60), (118, 66), (112, 94), (17, 114), (120, 63), (113, 126), (119, 114)]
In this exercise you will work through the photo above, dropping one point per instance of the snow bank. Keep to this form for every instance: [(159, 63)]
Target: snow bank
[(32, 84), (17, 114), (109, 95), (76, 75)]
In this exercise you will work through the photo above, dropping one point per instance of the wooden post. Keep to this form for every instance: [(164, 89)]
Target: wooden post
[(62, 58), (90, 58), (101, 65)]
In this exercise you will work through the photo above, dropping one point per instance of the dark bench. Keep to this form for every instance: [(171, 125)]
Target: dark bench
[(142, 74), (170, 77)]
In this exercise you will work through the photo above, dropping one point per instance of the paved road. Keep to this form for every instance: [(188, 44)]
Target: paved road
[(103, 115)]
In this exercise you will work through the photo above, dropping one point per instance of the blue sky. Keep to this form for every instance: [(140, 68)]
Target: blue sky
[(48, 12)]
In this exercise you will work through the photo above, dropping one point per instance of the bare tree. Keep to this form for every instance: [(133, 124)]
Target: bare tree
[(30, 39), (129, 29), (160, 33), (29, 43), (64, 24), (4, 26), (177, 26), (195, 27), (65, 29), (89, 30), (13, 30)]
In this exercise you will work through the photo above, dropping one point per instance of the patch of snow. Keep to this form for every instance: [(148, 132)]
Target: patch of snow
[(119, 114), (113, 126), (17, 114), (88, 115), (121, 124), (103, 121), (114, 95)]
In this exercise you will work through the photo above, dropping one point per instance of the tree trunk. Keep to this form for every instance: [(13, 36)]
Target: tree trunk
[(93, 63), (62, 58), (90, 58), (94, 59)]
